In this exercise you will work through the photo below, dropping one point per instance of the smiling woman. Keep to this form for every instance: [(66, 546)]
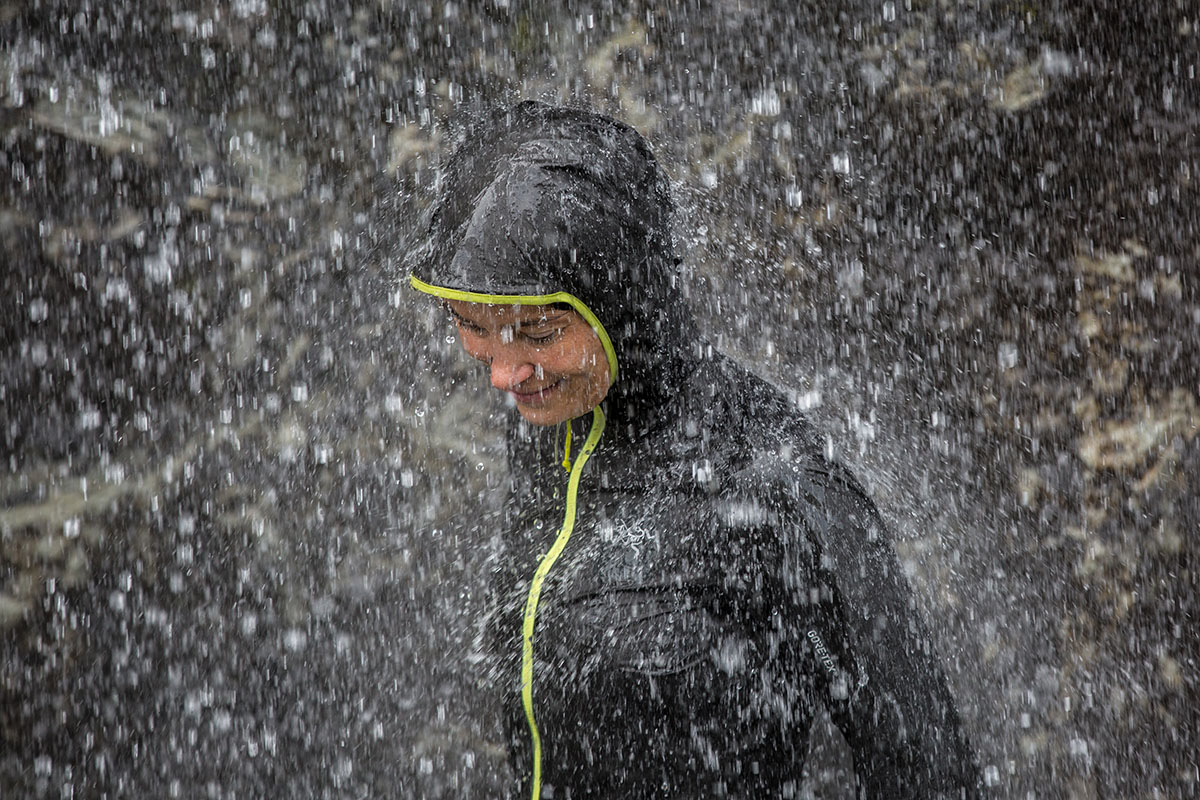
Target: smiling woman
[(547, 359), (672, 611)]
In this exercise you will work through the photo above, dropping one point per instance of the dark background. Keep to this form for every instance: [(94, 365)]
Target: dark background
[(245, 478)]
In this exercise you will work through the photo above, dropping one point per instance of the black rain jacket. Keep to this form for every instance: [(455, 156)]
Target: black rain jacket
[(722, 580)]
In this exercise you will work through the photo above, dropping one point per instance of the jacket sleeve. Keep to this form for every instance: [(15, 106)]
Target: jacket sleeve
[(883, 686)]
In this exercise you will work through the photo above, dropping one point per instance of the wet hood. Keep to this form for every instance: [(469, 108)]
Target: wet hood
[(538, 200)]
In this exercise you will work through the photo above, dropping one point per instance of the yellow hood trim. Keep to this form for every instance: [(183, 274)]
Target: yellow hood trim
[(527, 300)]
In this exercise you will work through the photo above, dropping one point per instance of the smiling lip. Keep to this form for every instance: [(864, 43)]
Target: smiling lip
[(539, 397)]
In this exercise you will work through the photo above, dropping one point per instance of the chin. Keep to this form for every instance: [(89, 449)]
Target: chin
[(541, 416)]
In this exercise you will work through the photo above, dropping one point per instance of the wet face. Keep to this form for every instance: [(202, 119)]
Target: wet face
[(548, 360)]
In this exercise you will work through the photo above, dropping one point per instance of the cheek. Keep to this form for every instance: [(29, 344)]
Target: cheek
[(594, 365), (584, 353), (601, 377), (580, 362)]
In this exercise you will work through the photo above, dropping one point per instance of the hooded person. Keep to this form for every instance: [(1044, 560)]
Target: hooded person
[(679, 596)]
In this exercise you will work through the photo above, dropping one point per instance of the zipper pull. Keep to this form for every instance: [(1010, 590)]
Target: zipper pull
[(566, 462)]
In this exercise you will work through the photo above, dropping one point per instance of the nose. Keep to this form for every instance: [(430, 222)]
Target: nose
[(509, 373)]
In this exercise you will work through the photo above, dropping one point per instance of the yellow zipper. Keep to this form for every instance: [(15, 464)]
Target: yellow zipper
[(535, 591)]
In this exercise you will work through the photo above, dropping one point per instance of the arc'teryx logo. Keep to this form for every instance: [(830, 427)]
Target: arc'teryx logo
[(822, 653)]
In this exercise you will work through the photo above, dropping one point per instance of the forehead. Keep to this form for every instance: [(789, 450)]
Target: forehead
[(503, 314)]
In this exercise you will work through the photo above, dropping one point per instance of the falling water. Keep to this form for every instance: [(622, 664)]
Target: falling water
[(246, 497)]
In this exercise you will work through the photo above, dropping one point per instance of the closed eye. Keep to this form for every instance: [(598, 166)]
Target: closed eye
[(543, 338), (469, 327)]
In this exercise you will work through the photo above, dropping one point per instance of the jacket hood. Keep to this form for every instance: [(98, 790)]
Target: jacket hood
[(539, 200)]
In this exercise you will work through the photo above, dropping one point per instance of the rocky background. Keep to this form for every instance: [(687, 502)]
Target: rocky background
[(245, 478)]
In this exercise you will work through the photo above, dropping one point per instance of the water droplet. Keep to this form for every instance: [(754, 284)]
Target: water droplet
[(38, 310)]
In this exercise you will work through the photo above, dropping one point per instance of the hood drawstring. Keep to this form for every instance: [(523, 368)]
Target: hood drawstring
[(566, 462)]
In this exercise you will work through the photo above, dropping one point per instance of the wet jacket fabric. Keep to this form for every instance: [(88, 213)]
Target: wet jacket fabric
[(721, 580)]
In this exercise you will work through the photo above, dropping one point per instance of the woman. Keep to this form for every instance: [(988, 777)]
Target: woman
[(680, 594)]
